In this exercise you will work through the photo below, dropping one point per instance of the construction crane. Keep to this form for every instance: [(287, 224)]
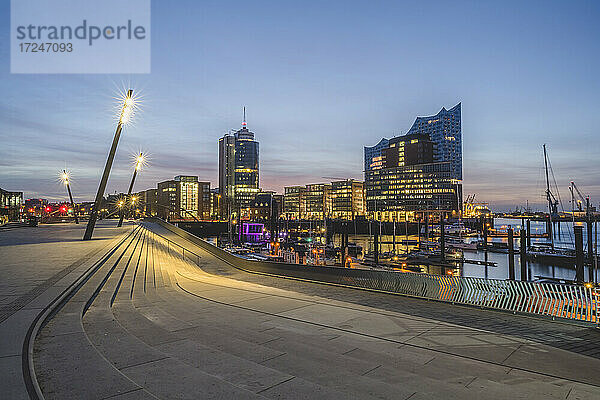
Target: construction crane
[(581, 198)]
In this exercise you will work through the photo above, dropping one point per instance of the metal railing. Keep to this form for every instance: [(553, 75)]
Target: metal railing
[(570, 302)]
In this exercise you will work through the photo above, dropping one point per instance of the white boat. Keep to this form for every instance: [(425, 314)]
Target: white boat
[(460, 244)]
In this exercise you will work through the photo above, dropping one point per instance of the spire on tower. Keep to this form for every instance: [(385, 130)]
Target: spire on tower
[(244, 121)]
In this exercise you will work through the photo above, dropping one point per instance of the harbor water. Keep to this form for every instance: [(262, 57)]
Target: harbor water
[(500, 271)]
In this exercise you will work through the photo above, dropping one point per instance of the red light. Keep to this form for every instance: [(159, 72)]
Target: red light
[(31, 210), (48, 209), (63, 209)]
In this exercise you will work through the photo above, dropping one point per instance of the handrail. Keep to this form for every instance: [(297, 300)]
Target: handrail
[(183, 249)]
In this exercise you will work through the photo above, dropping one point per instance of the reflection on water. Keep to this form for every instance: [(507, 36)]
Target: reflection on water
[(501, 270)]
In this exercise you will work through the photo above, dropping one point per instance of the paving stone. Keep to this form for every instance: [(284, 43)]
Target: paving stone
[(169, 379)]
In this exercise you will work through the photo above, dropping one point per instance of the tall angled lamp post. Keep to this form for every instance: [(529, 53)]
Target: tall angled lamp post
[(126, 114), (139, 161), (65, 179)]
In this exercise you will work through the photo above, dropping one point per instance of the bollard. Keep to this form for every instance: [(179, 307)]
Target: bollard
[(485, 238), (578, 230), (394, 234), (344, 245), (511, 254), (590, 246), (442, 239), (523, 255), (376, 246)]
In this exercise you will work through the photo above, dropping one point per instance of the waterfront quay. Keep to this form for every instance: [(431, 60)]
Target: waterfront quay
[(145, 312)]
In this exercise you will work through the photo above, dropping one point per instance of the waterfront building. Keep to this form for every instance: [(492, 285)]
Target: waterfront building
[(226, 171), (342, 199), (85, 208), (215, 204), (418, 172), (266, 207), (239, 169), (10, 204), (347, 199), (205, 200), (293, 202), (35, 207), (183, 198), (392, 193), (317, 201)]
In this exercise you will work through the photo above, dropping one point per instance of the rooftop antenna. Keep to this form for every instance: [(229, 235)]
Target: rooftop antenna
[(244, 121)]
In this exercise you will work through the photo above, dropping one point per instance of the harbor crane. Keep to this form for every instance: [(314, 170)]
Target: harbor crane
[(574, 189)]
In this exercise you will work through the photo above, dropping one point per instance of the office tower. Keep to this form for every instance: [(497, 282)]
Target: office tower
[(238, 169)]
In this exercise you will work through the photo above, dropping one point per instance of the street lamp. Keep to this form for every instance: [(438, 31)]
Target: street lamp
[(139, 162), (127, 110), (65, 179)]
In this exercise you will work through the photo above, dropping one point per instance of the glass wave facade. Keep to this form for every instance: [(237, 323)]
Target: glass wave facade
[(445, 131)]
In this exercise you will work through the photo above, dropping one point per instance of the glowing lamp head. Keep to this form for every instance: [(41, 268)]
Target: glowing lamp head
[(65, 176), (139, 161), (128, 107)]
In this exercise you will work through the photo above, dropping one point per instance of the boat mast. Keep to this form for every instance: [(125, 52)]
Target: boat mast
[(549, 197)]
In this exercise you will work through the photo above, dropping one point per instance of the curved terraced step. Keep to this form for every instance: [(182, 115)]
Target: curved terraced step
[(456, 361), (157, 326)]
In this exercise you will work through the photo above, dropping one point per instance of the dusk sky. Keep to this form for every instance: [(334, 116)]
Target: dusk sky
[(320, 80)]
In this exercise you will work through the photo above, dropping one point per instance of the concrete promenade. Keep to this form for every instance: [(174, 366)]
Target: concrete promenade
[(36, 265), (150, 324)]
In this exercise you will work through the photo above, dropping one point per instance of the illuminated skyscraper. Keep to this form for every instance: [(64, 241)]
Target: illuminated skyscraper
[(238, 168)]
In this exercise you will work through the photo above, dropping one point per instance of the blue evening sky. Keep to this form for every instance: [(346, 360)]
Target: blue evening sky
[(320, 80)]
